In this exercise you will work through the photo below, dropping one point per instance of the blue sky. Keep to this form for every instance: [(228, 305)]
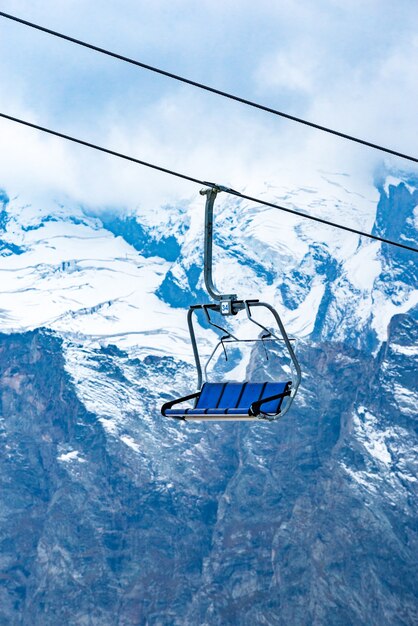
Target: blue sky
[(351, 65)]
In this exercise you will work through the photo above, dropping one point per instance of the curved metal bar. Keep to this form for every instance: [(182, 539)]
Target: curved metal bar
[(290, 350), (224, 341), (206, 309), (206, 365), (224, 330), (169, 405), (194, 346), (247, 305), (208, 245)]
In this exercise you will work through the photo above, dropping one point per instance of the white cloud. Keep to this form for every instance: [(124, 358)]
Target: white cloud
[(292, 70), (352, 67)]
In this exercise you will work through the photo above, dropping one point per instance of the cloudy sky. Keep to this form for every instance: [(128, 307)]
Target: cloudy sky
[(351, 65)]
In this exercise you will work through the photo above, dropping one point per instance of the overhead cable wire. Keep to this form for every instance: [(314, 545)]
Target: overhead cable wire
[(199, 181), (213, 90)]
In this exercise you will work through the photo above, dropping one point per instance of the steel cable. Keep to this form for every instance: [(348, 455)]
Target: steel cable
[(199, 181), (213, 90)]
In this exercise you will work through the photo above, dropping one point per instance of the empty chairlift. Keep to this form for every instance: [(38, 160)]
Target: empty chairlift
[(230, 400)]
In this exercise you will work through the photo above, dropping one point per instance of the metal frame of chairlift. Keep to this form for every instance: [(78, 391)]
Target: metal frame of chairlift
[(228, 305)]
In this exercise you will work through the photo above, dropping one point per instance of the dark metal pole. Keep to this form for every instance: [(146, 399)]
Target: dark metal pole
[(194, 346)]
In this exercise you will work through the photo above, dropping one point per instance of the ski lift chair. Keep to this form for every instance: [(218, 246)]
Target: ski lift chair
[(232, 401)]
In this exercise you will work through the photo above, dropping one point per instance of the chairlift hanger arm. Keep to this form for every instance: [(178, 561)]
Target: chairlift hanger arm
[(211, 194)]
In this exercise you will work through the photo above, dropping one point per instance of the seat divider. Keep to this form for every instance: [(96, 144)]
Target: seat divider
[(262, 391), (239, 398), (259, 397), (219, 399)]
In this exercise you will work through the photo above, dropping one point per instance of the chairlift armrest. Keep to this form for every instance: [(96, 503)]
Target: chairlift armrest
[(255, 407), (169, 405)]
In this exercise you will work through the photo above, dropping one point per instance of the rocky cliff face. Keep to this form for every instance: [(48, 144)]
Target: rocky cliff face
[(113, 515), (309, 521)]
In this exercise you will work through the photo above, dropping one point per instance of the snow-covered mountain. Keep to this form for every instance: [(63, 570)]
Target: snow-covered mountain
[(112, 514)]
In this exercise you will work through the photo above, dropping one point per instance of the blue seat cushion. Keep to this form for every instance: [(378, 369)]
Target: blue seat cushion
[(230, 396), (273, 389), (234, 399), (210, 395), (251, 393)]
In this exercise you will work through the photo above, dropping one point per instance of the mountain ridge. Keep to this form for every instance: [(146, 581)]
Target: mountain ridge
[(114, 515)]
